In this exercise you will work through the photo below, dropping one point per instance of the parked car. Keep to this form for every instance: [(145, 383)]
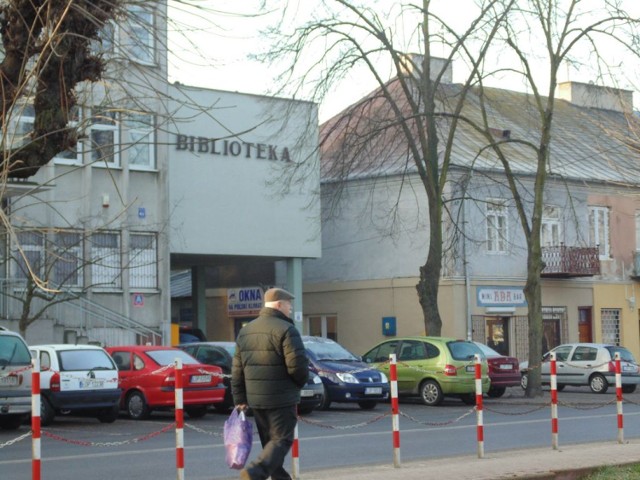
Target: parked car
[(15, 380), (345, 377), (147, 380), (221, 354), (77, 380), (432, 367), (504, 371), (591, 364)]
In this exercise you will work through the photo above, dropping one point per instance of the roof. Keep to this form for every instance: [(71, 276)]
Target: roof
[(588, 144)]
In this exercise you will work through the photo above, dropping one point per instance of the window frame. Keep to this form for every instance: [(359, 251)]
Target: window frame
[(143, 266), (551, 220), (114, 126), (496, 234), (598, 213), (141, 22), (18, 264), (74, 122), (101, 281), (146, 137), (55, 252)]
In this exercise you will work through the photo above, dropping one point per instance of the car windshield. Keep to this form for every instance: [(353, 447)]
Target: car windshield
[(329, 351), (461, 350), (625, 355), (80, 360), (488, 351), (168, 357)]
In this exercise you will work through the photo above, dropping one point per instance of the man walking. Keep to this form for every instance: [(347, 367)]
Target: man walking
[(270, 367)]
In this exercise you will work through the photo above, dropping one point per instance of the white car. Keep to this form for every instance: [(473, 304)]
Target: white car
[(79, 380), (591, 364), (15, 380)]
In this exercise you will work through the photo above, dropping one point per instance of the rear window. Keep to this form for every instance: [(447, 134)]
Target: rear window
[(464, 350), (625, 355), (13, 351), (79, 360), (168, 357)]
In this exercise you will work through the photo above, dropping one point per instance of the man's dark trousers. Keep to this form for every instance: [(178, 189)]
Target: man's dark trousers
[(276, 428)]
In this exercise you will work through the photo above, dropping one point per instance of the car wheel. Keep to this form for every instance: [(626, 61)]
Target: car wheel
[(598, 383), (137, 407), (47, 413), (11, 422), (431, 393), (326, 401), (109, 415), (524, 380), (197, 411), (496, 392), (468, 398), (628, 388), (367, 404)]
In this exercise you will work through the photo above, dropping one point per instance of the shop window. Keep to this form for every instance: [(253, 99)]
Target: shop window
[(143, 260), (106, 262), (323, 326)]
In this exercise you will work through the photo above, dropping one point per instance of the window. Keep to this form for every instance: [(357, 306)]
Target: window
[(104, 137), (71, 156), (29, 255), (105, 259), (323, 326), (106, 40), (66, 258), (599, 230), (140, 44), (551, 232), (141, 147), (19, 125), (496, 226), (143, 260), (610, 325), (381, 353)]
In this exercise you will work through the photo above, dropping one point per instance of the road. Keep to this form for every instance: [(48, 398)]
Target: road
[(80, 448)]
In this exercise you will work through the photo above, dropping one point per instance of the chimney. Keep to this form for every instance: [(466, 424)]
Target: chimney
[(595, 96), (412, 62)]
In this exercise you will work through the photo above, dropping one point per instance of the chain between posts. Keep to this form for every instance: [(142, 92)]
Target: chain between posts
[(84, 443)]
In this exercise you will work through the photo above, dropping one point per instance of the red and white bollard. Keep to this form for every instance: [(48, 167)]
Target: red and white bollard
[(395, 411), (619, 399), (554, 402), (479, 414), (35, 420), (295, 453), (179, 420)]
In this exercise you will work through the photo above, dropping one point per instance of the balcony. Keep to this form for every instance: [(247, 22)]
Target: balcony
[(569, 262), (636, 265)]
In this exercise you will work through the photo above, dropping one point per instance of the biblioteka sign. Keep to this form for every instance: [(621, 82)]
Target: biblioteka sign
[(244, 302)]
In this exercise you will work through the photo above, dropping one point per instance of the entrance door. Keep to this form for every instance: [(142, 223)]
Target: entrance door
[(498, 334), (584, 325)]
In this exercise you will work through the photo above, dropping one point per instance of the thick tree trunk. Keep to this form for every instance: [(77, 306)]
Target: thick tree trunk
[(429, 283)]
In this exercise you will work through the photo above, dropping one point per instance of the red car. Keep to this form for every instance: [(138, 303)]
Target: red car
[(503, 371), (147, 378)]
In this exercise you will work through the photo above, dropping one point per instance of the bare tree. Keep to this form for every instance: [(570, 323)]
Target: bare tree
[(407, 125)]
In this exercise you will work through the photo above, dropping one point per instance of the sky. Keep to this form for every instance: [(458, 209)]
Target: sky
[(210, 47)]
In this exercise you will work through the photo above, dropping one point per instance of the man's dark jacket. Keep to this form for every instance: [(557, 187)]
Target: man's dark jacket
[(270, 365)]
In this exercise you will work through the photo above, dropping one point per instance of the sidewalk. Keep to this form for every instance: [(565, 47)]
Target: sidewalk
[(539, 463)]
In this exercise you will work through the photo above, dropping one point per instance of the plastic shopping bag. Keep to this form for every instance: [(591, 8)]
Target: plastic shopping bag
[(238, 436)]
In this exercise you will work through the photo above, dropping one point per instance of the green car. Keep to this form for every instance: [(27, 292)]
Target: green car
[(432, 367)]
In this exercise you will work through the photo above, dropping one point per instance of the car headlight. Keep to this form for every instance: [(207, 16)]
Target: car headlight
[(383, 378), (317, 379), (347, 378)]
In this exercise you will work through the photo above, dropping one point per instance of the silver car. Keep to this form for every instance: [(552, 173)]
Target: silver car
[(15, 380), (591, 364)]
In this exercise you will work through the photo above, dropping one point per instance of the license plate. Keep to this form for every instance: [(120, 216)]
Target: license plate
[(373, 391), (200, 378), (628, 368), (91, 383), (506, 366), (470, 368), (306, 393), (9, 381)]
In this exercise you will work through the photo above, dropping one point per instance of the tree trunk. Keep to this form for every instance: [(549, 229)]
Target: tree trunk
[(429, 282)]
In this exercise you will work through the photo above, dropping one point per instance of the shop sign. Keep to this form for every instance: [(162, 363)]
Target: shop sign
[(489, 296), (244, 302)]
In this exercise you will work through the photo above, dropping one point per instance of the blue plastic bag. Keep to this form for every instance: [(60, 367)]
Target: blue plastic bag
[(238, 437)]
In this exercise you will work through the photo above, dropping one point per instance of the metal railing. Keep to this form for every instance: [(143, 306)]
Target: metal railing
[(564, 261), (76, 312)]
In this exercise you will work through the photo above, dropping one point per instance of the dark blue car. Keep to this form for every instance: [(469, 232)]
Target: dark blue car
[(345, 377)]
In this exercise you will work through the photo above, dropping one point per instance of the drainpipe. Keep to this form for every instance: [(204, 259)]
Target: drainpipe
[(467, 280)]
